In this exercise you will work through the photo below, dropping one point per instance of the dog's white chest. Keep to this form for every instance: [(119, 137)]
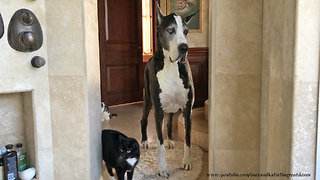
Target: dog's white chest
[(173, 95)]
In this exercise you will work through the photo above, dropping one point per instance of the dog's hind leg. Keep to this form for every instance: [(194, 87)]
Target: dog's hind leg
[(146, 109), (162, 165), (186, 161), (169, 128)]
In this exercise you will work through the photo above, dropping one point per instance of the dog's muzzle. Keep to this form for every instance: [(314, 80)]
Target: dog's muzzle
[(183, 59), (183, 49)]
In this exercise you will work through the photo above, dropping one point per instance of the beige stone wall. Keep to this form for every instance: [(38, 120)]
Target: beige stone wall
[(12, 124), (212, 84), (305, 84), (290, 86), (18, 76), (67, 82), (199, 39), (277, 85), (93, 94), (74, 88), (235, 59)]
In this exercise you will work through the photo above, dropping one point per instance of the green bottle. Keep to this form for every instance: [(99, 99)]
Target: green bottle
[(22, 157)]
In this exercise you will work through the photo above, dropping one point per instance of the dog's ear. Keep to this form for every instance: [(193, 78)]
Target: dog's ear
[(188, 18), (159, 13)]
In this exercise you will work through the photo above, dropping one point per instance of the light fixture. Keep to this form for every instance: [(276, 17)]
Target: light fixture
[(146, 27)]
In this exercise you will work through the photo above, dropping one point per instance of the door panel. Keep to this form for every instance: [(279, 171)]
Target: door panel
[(120, 50), (122, 21), (118, 79), (198, 59), (196, 69)]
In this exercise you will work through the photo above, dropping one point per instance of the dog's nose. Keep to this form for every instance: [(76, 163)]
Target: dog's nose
[(183, 48)]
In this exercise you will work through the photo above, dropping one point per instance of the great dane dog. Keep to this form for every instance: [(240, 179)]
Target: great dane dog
[(169, 85)]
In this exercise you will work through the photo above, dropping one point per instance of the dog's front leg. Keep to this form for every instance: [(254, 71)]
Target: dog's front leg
[(162, 165), (169, 128), (187, 160)]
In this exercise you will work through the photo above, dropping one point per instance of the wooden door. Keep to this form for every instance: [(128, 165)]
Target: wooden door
[(120, 35)]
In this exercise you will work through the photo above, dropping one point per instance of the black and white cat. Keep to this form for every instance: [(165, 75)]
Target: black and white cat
[(119, 152), (105, 111)]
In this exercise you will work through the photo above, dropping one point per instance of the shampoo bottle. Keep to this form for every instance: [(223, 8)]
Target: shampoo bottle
[(10, 163), (22, 157), (2, 151)]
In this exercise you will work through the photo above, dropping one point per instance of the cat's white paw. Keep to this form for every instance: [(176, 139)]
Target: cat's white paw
[(170, 144), (187, 160), (145, 144)]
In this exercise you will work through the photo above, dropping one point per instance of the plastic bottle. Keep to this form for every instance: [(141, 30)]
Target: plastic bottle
[(2, 151), (22, 157), (10, 162), (27, 174)]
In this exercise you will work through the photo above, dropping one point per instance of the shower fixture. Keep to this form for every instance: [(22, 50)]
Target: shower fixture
[(24, 32), (38, 62), (1, 26)]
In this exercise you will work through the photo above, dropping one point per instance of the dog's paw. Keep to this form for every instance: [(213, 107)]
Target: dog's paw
[(187, 160), (163, 173), (186, 164), (145, 144), (170, 144), (162, 170)]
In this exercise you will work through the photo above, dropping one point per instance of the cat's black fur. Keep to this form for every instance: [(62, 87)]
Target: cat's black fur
[(116, 149)]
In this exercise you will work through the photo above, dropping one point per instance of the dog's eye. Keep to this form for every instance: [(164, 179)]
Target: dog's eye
[(170, 30), (121, 150), (128, 151), (186, 31)]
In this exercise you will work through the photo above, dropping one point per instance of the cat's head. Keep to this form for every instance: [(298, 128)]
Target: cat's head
[(104, 107), (129, 148)]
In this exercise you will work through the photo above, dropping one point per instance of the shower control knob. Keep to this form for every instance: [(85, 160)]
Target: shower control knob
[(28, 39), (38, 61), (27, 18)]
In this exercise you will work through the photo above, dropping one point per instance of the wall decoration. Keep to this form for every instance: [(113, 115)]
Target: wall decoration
[(186, 8)]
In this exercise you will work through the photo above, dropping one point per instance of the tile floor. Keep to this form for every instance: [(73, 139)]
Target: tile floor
[(128, 122)]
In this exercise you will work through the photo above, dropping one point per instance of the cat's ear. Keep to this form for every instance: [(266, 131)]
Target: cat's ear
[(122, 139)]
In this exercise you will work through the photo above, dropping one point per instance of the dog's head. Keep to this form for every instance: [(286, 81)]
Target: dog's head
[(172, 33)]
